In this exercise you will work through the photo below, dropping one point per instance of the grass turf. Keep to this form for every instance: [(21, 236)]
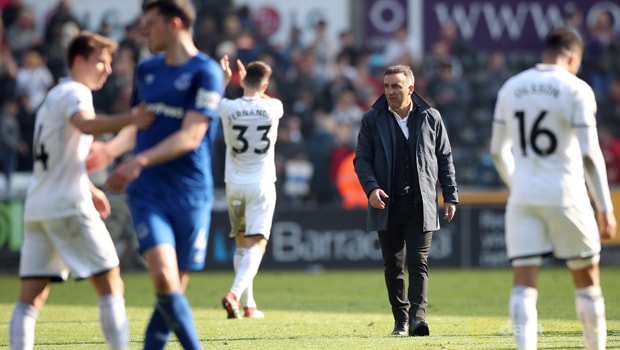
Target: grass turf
[(331, 310)]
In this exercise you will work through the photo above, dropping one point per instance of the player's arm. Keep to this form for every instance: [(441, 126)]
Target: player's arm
[(501, 145), (185, 140), (596, 178), (95, 124), (100, 200), (584, 123), (103, 153)]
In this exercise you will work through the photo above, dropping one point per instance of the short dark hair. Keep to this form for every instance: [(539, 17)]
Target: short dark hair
[(563, 41), (184, 9), (256, 73), (85, 43), (400, 68)]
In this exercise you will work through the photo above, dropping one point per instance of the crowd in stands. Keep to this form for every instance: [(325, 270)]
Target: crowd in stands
[(325, 83)]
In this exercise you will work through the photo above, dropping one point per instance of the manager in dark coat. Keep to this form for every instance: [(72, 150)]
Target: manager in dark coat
[(402, 150)]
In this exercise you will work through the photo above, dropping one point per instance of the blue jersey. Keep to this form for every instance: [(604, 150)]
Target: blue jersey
[(171, 91)]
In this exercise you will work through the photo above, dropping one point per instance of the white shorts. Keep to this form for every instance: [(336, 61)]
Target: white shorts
[(250, 209), (566, 232), (78, 245)]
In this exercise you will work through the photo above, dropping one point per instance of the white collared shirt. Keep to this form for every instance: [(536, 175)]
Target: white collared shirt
[(402, 122)]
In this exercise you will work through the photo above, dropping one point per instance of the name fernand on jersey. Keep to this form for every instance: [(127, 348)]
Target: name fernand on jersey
[(537, 89), (247, 113)]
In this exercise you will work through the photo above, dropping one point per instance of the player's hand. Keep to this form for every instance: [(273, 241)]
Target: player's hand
[(225, 64), (242, 71), (123, 175), (100, 200), (376, 198), (142, 117), (98, 158), (608, 229), (449, 209)]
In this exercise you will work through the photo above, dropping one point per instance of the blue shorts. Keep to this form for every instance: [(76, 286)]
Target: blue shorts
[(185, 227)]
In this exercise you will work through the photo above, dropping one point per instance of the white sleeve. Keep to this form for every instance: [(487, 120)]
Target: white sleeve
[(222, 108), (78, 98), (594, 164), (501, 144)]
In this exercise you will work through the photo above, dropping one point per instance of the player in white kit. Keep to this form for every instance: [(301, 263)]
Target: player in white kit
[(250, 125), (545, 147), (63, 229)]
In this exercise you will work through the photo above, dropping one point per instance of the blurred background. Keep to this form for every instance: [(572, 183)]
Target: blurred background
[(328, 59)]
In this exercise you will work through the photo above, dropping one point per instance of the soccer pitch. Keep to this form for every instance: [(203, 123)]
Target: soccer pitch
[(330, 310)]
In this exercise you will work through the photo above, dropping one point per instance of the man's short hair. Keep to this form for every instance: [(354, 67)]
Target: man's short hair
[(256, 73), (400, 68), (563, 41), (85, 43), (184, 9)]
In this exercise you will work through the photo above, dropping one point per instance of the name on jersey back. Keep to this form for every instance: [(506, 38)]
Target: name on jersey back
[(248, 113), (537, 89)]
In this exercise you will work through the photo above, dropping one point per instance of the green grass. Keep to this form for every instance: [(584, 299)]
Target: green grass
[(333, 310)]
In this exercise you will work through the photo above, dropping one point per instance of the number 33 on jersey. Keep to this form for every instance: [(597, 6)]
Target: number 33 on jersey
[(250, 127)]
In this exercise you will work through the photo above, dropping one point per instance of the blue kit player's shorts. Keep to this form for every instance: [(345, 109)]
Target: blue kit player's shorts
[(184, 226)]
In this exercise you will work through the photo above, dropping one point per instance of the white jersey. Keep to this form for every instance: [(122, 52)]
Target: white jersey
[(542, 111), (250, 131), (60, 185)]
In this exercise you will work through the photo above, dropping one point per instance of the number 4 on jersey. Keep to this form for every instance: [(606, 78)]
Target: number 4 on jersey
[(40, 154)]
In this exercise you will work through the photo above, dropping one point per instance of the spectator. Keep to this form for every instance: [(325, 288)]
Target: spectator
[(610, 145), (401, 49), (11, 143), (609, 108), (23, 35), (452, 96), (597, 58), (58, 18), (34, 79)]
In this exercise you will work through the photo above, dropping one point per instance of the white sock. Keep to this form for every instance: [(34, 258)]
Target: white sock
[(239, 252), (249, 295), (524, 316), (21, 327), (113, 320), (247, 269), (590, 307)]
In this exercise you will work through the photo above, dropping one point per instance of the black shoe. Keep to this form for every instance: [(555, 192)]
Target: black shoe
[(419, 328), (401, 328)]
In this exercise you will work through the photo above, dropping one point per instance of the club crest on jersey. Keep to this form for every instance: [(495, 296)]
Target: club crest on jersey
[(183, 81), (149, 78)]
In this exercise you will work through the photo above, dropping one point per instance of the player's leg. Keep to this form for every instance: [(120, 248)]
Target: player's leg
[(258, 213), (589, 302), (523, 299), (235, 198), (526, 243), (155, 239), (39, 264), (189, 226), (246, 271), (88, 250), (576, 239), (32, 296)]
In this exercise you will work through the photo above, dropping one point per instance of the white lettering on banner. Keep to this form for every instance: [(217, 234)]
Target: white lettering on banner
[(499, 19), (290, 243), (390, 21)]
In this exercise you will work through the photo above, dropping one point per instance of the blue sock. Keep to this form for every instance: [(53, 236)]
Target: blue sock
[(175, 310), (157, 332)]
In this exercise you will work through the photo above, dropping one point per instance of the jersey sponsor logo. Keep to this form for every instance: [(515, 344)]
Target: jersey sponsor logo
[(207, 99), (183, 81), (166, 110), (149, 78)]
